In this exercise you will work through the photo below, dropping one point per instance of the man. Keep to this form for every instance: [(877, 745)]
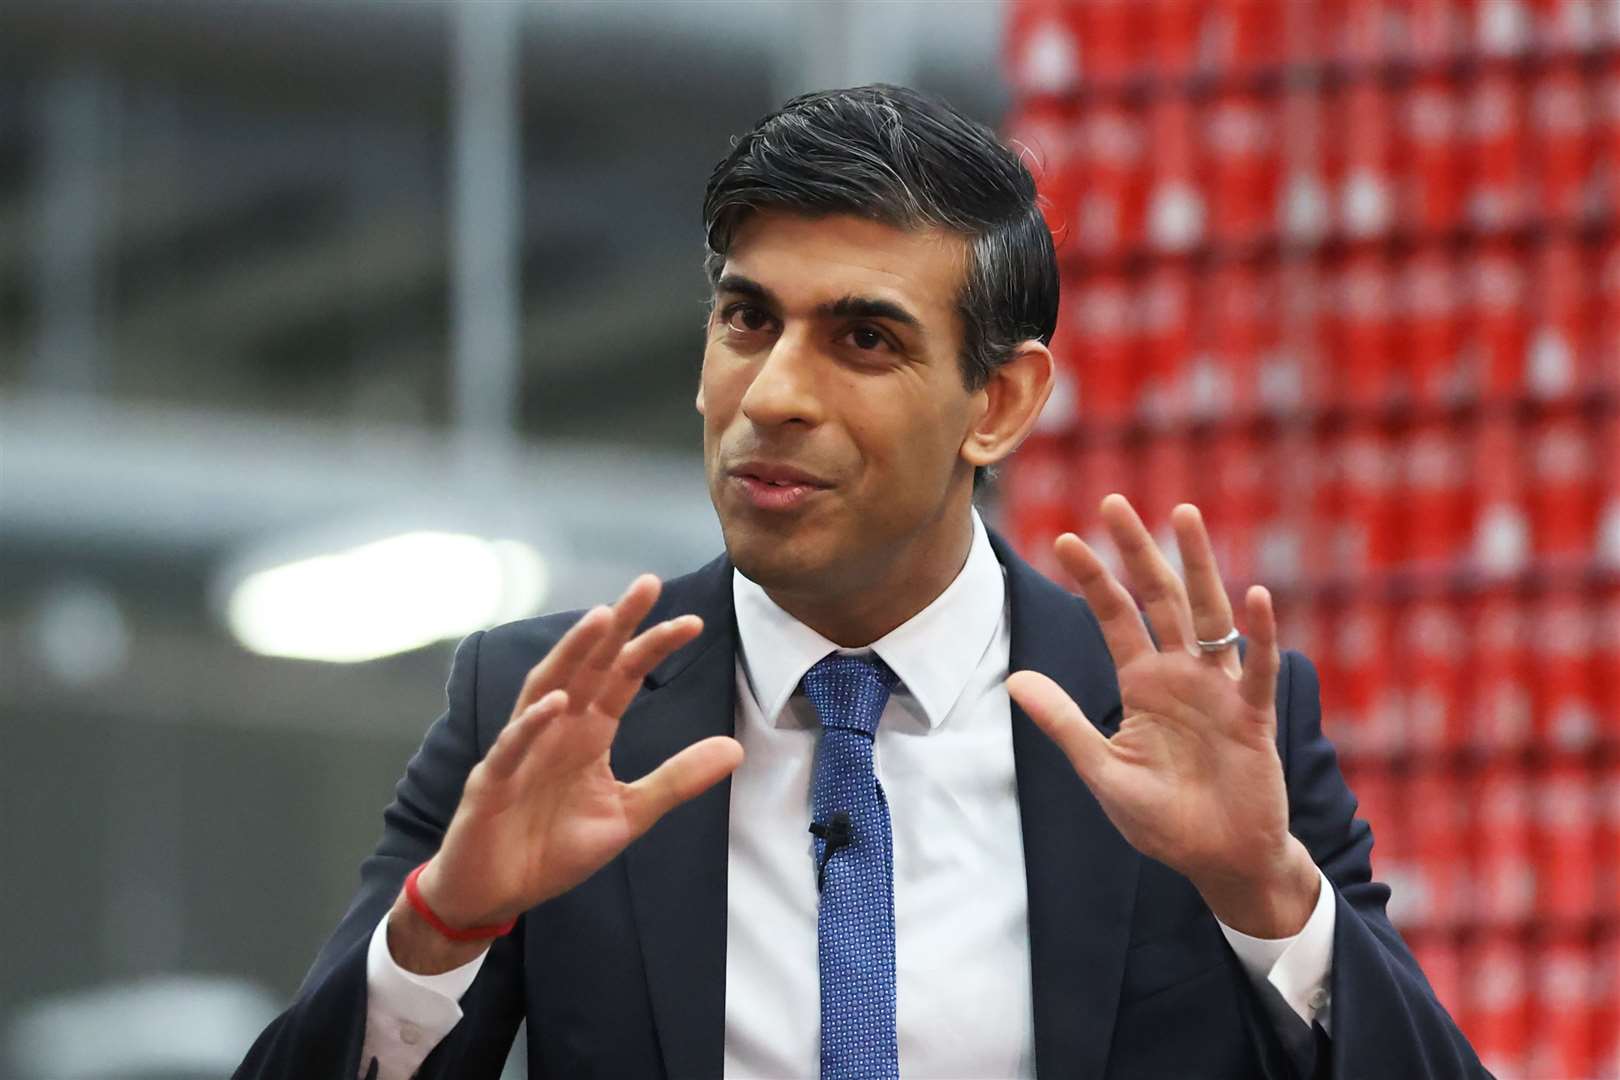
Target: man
[(1040, 840)]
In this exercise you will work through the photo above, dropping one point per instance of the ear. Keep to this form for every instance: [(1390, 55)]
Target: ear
[(1009, 404)]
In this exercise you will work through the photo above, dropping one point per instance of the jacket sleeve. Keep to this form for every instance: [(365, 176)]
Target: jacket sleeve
[(320, 1034), (1386, 1019)]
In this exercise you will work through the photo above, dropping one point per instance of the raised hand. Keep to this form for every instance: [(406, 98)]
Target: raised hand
[(1192, 777), (543, 810)]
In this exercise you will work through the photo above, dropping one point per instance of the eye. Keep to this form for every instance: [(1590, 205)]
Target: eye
[(867, 338), (745, 319)]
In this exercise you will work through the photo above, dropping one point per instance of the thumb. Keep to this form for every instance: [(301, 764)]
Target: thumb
[(1056, 713)]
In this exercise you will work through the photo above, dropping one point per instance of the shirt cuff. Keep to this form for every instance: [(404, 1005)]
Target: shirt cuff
[(407, 1014), (1298, 967)]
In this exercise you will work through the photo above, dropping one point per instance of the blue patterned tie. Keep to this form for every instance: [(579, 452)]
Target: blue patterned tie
[(856, 924)]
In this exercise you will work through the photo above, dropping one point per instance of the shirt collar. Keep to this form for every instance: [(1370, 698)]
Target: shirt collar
[(934, 652)]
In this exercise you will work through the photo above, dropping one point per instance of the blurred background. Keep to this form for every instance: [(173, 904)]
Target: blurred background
[(332, 330), (1347, 275)]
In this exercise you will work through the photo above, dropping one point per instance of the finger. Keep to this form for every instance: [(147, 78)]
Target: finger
[(639, 656), (567, 655), (512, 745), (1152, 579), (1056, 713), (1211, 609), (1263, 659), (1121, 621), (689, 773), (586, 680)]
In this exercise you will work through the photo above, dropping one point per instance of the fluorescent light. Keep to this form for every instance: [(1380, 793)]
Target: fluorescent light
[(384, 597)]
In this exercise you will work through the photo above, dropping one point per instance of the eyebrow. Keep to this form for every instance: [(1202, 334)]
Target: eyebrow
[(865, 307)]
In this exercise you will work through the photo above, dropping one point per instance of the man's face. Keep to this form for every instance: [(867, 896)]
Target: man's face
[(833, 351)]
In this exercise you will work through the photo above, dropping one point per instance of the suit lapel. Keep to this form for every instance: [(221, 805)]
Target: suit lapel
[(677, 871), (1080, 872)]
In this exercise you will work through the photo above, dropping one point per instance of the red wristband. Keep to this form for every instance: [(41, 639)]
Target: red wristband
[(473, 933)]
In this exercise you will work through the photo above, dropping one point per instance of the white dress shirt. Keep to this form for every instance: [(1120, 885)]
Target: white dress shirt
[(944, 757)]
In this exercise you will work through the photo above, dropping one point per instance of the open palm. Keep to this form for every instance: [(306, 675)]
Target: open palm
[(543, 810), (1192, 777)]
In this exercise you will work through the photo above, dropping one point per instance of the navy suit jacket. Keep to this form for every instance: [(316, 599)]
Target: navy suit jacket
[(624, 976)]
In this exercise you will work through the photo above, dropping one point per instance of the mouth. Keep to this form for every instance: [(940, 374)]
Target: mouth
[(776, 488)]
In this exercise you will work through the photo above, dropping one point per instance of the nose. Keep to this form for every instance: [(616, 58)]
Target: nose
[(783, 388)]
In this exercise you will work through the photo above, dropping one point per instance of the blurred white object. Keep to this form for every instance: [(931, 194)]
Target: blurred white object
[(387, 596), (179, 1026), (1050, 63), (1176, 216), (80, 633)]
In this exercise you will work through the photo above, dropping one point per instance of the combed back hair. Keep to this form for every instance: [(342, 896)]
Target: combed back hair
[(909, 160)]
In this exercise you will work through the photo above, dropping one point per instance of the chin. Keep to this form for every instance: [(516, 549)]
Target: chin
[(771, 561)]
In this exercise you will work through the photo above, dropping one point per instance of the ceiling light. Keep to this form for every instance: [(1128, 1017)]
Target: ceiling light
[(387, 596)]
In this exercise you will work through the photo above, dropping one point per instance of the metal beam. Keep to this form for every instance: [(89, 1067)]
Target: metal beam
[(187, 484), (485, 186)]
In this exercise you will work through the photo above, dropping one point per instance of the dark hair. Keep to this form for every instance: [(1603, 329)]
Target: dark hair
[(909, 160)]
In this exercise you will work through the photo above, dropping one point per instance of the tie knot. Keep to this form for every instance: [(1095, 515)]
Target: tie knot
[(849, 692)]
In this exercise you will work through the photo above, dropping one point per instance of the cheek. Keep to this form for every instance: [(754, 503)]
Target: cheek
[(909, 443), (714, 394)]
